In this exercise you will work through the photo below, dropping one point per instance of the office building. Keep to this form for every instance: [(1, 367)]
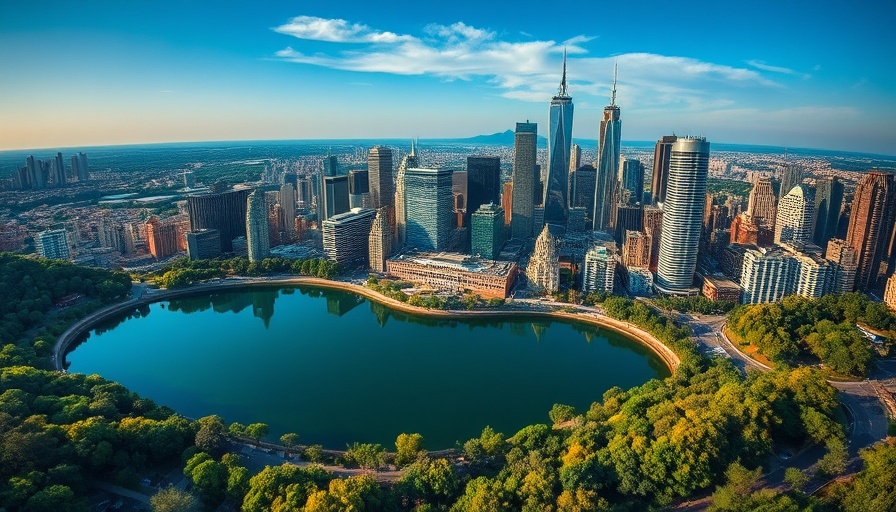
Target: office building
[(556, 185), (828, 202), (161, 238), (583, 180), (793, 222), (52, 244), (890, 292), (720, 289), (576, 221), (335, 196), (791, 176), (224, 211), (636, 249), (456, 273), (575, 158), (380, 240), (346, 237), (762, 208), (608, 145), (379, 175), (203, 244), (487, 228), (524, 180), (628, 218), (543, 270), (288, 209), (744, 230), (483, 182), (767, 275), (331, 165), (80, 168), (847, 259), (682, 215), (815, 276), (428, 208), (59, 171), (871, 224), (507, 202), (305, 191), (631, 181), (358, 189), (661, 155), (599, 274), (409, 161), (640, 281), (653, 226), (258, 243)]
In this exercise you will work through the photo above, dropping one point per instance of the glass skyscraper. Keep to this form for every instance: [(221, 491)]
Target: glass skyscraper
[(607, 164), (683, 214), (428, 208), (556, 183), (523, 203)]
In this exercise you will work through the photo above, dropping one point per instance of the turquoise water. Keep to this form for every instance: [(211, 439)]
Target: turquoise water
[(336, 368)]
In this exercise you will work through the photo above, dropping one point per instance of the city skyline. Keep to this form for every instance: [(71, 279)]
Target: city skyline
[(85, 75)]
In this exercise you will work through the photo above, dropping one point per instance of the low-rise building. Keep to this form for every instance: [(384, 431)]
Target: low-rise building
[(455, 272), (720, 289)]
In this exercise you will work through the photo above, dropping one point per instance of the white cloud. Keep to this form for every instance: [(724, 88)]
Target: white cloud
[(758, 64), (527, 70)]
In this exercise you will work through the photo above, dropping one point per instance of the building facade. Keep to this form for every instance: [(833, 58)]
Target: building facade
[(556, 186), (871, 225), (336, 199), (429, 207), (379, 174), (346, 237), (52, 244), (258, 242), (456, 273), (661, 155), (203, 244), (599, 274), (796, 210), (380, 240), (608, 146), (767, 276), (890, 292), (631, 181), (543, 270), (828, 202), (524, 180), (223, 211), (487, 227)]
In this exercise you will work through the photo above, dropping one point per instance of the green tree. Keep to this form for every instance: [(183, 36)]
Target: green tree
[(407, 448), (289, 441), (874, 488), (561, 413), (366, 455), (210, 437), (795, 478), (314, 453), (257, 431), (171, 499)]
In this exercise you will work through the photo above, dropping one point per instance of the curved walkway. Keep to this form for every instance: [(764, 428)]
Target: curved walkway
[(143, 296)]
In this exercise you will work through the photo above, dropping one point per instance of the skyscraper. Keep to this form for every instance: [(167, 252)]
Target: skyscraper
[(257, 235), (161, 238), (331, 165), (791, 176), (631, 181), (224, 211), (794, 218), (409, 161), (653, 226), (335, 196), (828, 201), (767, 276), (556, 181), (543, 270), (483, 182), (346, 236), (59, 170), (428, 207), (682, 214), (583, 189), (600, 270), (487, 229), (661, 168), (847, 259), (762, 208), (871, 225), (379, 175), (288, 204), (380, 240), (607, 164), (358, 189), (523, 204), (52, 244)]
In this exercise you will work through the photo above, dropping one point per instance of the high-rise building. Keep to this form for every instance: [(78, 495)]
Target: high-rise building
[(682, 214), (828, 201), (653, 226), (631, 181), (791, 176), (890, 292), (288, 206), (487, 227), (767, 276), (358, 189), (223, 211), (80, 167), (331, 165), (161, 238), (52, 244), (428, 207), (600, 270), (543, 270), (380, 240), (524, 179), (583, 189), (636, 249), (346, 237), (203, 244), (793, 222), (628, 218), (305, 191), (744, 230), (814, 276), (335, 196), (847, 259), (556, 185), (871, 225), (575, 158), (607, 164), (483, 182), (409, 161), (59, 171), (379, 174), (258, 240), (661, 155), (762, 208)]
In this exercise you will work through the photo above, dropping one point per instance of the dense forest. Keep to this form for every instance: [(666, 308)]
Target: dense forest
[(706, 428), (803, 330)]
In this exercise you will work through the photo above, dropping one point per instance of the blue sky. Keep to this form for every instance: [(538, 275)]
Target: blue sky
[(789, 73)]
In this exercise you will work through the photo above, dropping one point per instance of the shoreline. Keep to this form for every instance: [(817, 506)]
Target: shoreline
[(60, 348)]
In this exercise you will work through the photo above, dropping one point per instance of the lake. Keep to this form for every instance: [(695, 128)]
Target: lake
[(336, 368)]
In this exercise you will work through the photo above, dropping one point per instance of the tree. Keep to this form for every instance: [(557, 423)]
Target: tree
[(210, 436), (53, 499), (834, 461), (795, 478), (366, 455), (257, 431), (210, 480), (314, 453), (874, 488), (560, 413), (171, 499), (407, 447), (290, 441)]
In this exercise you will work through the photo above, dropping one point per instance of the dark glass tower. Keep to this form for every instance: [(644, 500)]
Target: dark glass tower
[(560, 142), (661, 168), (828, 200), (607, 164), (524, 180)]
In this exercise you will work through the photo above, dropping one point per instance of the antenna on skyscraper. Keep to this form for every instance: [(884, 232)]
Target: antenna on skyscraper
[(613, 96), (563, 80)]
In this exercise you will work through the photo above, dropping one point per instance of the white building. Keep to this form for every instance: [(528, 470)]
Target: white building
[(600, 270), (794, 218), (52, 244)]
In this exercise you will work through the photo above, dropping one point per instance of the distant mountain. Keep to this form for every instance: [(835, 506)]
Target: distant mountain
[(500, 138)]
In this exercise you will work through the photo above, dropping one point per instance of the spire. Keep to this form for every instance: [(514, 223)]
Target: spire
[(613, 96), (563, 80)]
